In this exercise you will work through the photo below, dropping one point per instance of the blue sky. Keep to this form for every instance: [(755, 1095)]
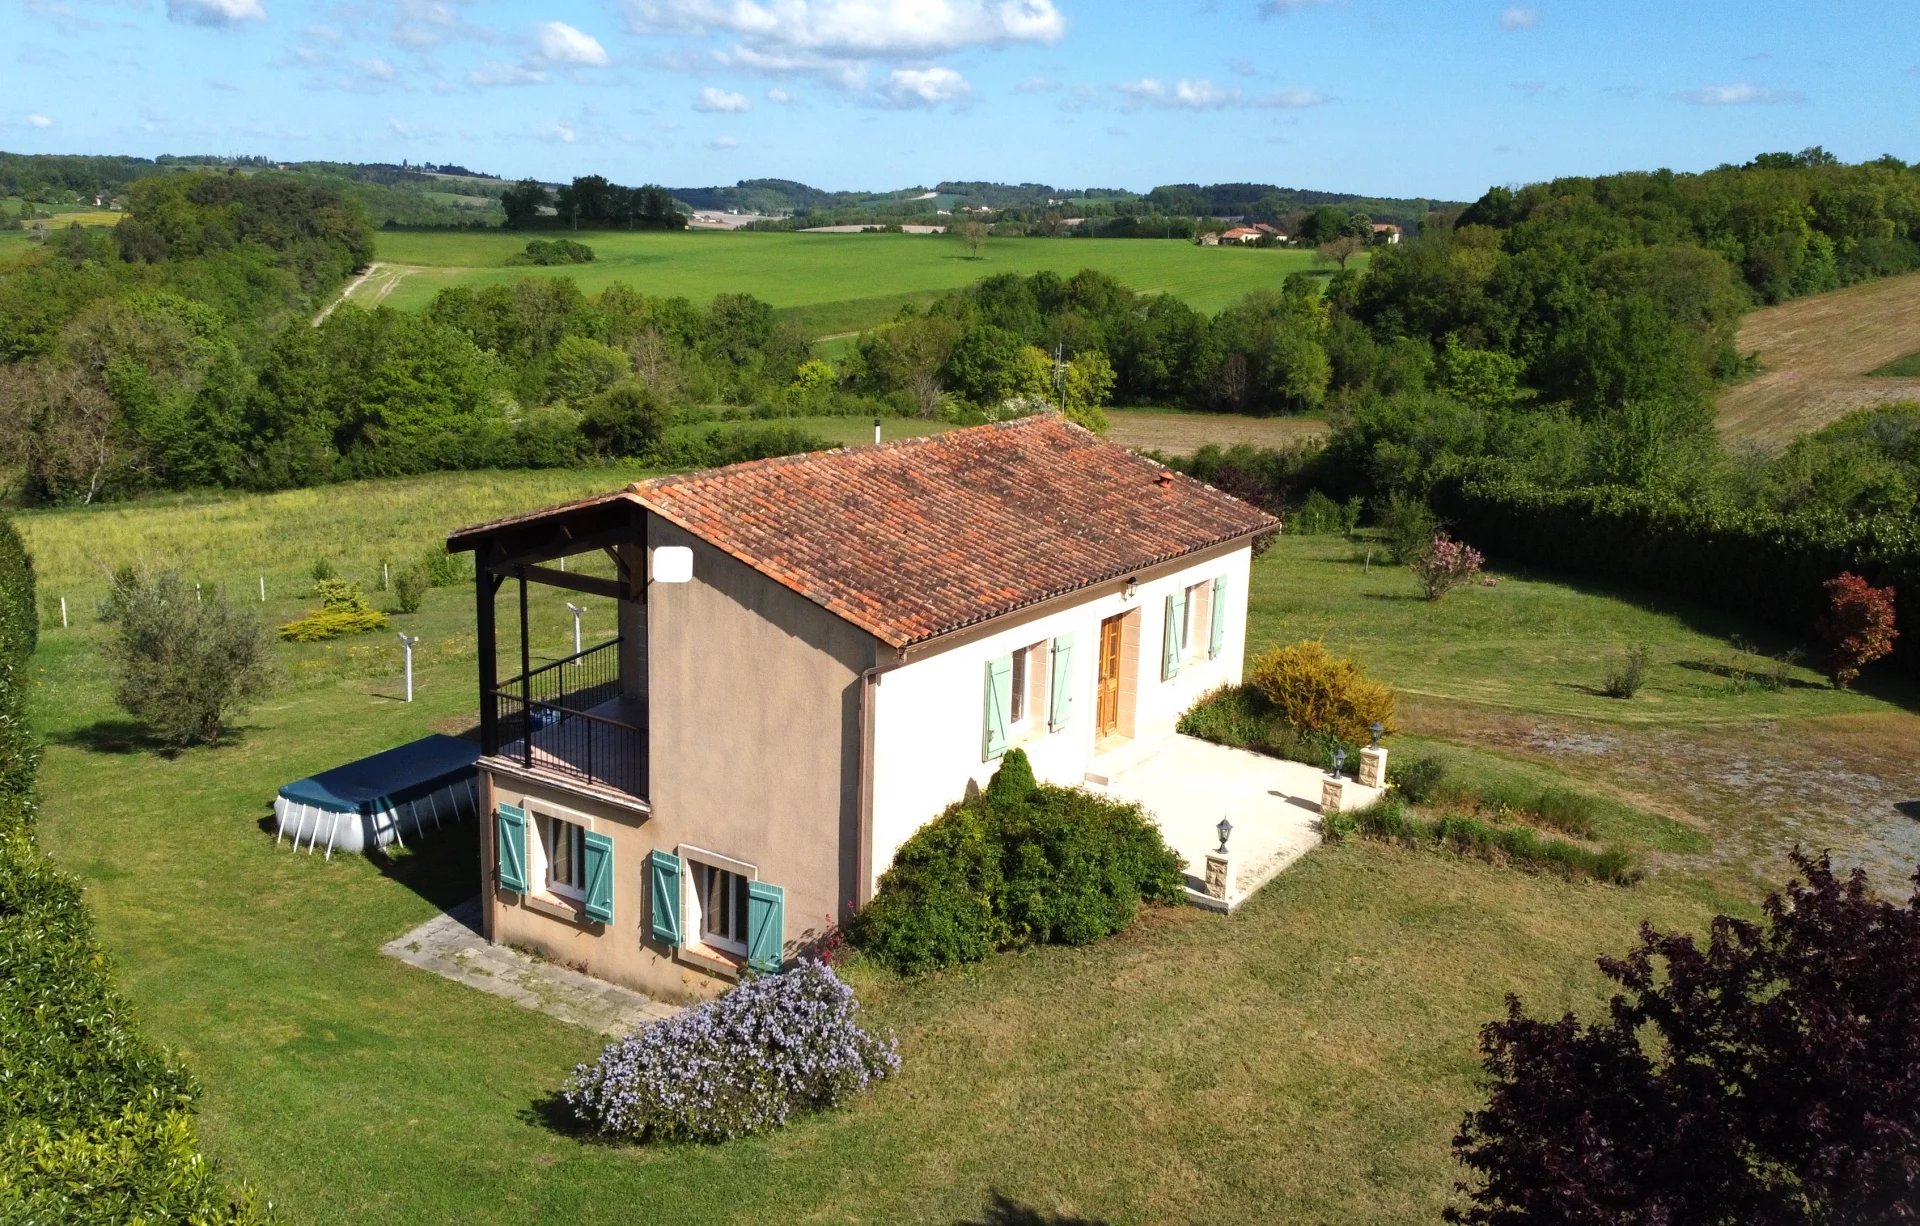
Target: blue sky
[(1442, 98)]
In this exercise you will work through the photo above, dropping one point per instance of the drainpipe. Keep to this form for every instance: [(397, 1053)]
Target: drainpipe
[(863, 851)]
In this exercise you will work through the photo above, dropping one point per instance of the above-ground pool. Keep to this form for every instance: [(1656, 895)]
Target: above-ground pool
[(386, 798)]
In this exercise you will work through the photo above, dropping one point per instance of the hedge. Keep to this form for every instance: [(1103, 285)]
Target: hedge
[(96, 1122), (1753, 562)]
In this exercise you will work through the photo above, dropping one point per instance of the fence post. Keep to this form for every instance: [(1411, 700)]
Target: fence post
[(63, 612)]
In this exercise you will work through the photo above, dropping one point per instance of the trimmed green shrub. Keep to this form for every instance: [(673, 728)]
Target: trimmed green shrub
[(409, 589), (1020, 864), (1239, 716), (326, 624), (1418, 779), (95, 1122)]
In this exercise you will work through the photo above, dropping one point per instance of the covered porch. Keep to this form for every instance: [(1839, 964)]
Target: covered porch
[(570, 708), (1188, 785)]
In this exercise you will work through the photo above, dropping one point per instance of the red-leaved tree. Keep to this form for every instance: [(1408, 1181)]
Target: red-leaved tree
[(1770, 1078), (1858, 628)]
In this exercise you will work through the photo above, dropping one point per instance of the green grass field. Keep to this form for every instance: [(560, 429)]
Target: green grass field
[(1907, 367), (831, 283), (1306, 1060)]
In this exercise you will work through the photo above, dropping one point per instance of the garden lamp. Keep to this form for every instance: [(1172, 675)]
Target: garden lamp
[(1339, 760), (1225, 828), (1376, 729)]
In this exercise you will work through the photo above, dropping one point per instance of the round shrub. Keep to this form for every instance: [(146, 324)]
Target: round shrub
[(741, 1064), (1014, 781), (1418, 779), (409, 589), (935, 906), (1317, 691)]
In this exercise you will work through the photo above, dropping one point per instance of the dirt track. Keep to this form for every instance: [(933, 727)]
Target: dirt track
[(370, 287), (1814, 357)]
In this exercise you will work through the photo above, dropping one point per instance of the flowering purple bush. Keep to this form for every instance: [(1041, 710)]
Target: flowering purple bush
[(737, 1065), (1445, 565)]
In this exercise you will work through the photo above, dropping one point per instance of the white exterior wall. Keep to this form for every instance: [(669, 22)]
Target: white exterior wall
[(928, 714)]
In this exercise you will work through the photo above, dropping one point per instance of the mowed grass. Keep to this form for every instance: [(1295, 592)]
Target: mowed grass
[(1172, 431), (1306, 1060), (1824, 356), (832, 283)]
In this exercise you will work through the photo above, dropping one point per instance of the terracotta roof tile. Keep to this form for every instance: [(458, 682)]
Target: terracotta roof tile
[(918, 537)]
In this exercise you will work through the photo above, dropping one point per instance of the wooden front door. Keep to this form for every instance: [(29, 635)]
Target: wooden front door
[(1107, 719)]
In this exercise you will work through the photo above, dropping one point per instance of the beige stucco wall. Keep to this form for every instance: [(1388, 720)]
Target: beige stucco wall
[(754, 754), (928, 713)]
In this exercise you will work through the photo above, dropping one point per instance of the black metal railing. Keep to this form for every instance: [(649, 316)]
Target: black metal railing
[(565, 718)]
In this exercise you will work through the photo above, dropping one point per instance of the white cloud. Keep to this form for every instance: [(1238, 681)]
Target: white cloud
[(1037, 85), (559, 133), (780, 97), (855, 29), (1738, 94), (499, 72), (724, 142), (560, 43), (1203, 95), (721, 101), (910, 87), (215, 12), (377, 70), (1519, 17), (411, 131), (1280, 8), (39, 121)]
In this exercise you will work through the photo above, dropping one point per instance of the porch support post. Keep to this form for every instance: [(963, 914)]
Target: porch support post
[(485, 585), (526, 681)]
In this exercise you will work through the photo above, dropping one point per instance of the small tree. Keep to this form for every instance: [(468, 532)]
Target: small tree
[(1858, 628), (625, 420), (975, 233), (1772, 1077), (1445, 565), (182, 664), (1338, 250)]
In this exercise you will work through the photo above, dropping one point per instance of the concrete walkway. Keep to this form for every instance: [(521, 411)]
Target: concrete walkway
[(450, 945), (1188, 785)]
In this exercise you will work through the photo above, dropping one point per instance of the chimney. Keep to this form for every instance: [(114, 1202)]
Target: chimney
[(876, 429), (1165, 478)]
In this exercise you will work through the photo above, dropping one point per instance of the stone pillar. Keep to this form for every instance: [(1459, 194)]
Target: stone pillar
[(1219, 876), (1333, 791), (1373, 766)]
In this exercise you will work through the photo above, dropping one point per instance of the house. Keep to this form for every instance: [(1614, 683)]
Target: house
[(816, 655), (1208, 238), (1385, 232), (1241, 234)]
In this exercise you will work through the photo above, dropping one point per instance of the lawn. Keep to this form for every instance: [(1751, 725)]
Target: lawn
[(1173, 431), (831, 283), (1904, 367), (1305, 1060)]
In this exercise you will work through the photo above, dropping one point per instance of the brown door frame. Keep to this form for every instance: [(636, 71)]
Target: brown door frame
[(1106, 720)]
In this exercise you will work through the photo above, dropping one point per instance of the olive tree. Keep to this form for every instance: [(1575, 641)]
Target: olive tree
[(184, 662)]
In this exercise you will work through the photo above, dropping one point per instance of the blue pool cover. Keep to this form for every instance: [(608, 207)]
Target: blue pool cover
[(388, 778)]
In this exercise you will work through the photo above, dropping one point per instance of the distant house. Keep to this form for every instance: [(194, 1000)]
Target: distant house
[(1385, 232), (816, 655), (1241, 234), (1210, 238)]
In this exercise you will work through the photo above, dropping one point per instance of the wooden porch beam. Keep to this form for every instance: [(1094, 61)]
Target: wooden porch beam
[(593, 585)]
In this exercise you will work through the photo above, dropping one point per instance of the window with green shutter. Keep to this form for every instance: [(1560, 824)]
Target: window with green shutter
[(597, 851), (997, 713), (663, 884), (510, 847), (1217, 618), (1173, 636), (766, 926), (1060, 687)]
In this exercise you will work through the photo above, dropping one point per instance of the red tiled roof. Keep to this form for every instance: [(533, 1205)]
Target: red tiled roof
[(914, 538)]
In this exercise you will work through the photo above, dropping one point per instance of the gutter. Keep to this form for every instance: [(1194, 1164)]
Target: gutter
[(863, 791)]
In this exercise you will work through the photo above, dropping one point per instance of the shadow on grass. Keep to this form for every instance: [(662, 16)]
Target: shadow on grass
[(1753, 677), (115, 736), (1002, 1210), (551, 1112), (443, 867), (1591, 691), (1909, 807)]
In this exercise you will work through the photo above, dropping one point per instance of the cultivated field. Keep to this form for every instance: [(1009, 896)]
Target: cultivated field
[(832, 283), (1167, 430), (1306, 1060), (1817, 356)]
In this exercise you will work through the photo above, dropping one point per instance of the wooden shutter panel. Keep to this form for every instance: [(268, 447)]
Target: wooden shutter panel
[(1171, 634), (510, 847), (1060, 685), (766, 926), (997, 708), (1216, 622), (599, 866), (663, 881)]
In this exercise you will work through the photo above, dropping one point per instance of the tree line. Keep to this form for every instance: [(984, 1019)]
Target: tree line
[(593, 201)]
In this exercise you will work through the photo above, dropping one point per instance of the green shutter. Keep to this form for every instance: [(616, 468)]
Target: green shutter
[(599, 866), (1216, 623), (766, 926), (997, 715), (663, 878), (510, 847), (1171, 634), (1060, 686)]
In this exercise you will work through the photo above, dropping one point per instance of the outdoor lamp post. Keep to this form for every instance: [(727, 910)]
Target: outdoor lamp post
[(1225, 828), (577, 611), (1339, 760), (1376, 729), (408, 643)]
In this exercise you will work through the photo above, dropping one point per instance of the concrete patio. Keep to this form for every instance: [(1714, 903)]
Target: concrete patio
[(1188, 785)]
